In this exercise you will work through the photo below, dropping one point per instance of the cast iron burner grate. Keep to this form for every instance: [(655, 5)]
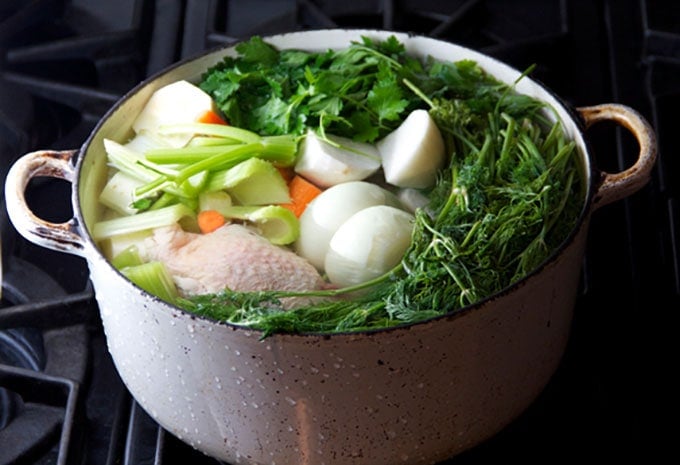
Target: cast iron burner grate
[(43, 361)]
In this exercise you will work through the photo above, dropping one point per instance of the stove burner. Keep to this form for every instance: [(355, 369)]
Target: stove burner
[(42, 361)]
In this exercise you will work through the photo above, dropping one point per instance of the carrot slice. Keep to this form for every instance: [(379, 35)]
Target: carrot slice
[(210, 220), (301, 193), (211, 117), (287, 173)]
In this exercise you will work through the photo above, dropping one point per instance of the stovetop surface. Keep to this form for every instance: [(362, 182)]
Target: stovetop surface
[(65, 62)]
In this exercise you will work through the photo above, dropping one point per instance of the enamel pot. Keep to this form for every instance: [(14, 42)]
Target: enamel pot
[(415, 394)]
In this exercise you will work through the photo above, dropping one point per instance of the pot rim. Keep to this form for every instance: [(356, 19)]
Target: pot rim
[(590, 173)]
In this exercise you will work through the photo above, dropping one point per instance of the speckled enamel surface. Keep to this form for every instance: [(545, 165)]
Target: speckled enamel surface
[(412, 395)]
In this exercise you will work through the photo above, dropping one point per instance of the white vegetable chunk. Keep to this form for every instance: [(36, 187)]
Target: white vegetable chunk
[(369, 244), (324, 215), (177, 103), (413, 153), (327, 165), (412, 199)]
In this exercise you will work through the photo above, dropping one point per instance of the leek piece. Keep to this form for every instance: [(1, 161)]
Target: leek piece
[(128, 257), (154, 278), (142, 221), (252, 182), (209, 129), (276, 223)]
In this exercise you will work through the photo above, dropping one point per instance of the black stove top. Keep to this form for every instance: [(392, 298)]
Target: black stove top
[(63, 63)]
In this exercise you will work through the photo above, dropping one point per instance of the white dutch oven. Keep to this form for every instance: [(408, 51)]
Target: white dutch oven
[(416, 394)]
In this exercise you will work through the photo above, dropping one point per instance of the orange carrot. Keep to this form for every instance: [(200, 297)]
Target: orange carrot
[(211, 117), (301, 193), (210, 220), (287, 173)]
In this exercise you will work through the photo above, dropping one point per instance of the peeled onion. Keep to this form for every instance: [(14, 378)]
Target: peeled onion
[(324, 215), (369, 244)]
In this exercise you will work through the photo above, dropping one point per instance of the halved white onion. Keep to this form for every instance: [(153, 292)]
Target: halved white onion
[(369, 244), (324, 215)]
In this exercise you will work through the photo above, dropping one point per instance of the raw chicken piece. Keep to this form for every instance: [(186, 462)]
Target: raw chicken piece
[(232, 257)]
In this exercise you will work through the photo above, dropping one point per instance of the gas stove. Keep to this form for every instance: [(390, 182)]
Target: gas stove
[(64, 63)]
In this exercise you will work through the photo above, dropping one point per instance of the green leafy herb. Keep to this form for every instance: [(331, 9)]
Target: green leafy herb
[(355, 92), (509, 196)]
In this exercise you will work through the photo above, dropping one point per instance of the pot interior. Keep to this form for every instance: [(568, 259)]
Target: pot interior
[(116, 124)]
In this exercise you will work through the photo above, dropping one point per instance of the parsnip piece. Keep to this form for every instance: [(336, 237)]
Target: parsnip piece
[(177, 103)]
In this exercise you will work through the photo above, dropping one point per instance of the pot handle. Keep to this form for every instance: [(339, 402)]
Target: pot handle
[(63, 237), (616, 186)]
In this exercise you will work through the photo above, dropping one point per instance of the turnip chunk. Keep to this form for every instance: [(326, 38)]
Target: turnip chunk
[(324, 215), (327, 165), (177, 103), (413, 153), (369, 244)]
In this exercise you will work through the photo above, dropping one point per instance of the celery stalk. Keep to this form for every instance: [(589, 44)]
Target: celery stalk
[(189, 154), (130, 162), (276, 223), (154, 278), (281, 150), (141, 221), (228, 158), (218, 201), (126, 258), (251, 182)]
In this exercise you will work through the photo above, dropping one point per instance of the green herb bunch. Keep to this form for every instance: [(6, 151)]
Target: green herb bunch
[(356, 92), (511, 193)]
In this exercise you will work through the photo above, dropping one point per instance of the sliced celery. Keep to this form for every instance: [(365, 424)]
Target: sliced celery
[(164, 200), (207, 141), (232, 155), (189, 154), (281, 150), (154, 278), (128, 257), (142, 221), (219, 201), (195, 184), (115, 245), (252, 182), (276, 223), (131, 163)]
